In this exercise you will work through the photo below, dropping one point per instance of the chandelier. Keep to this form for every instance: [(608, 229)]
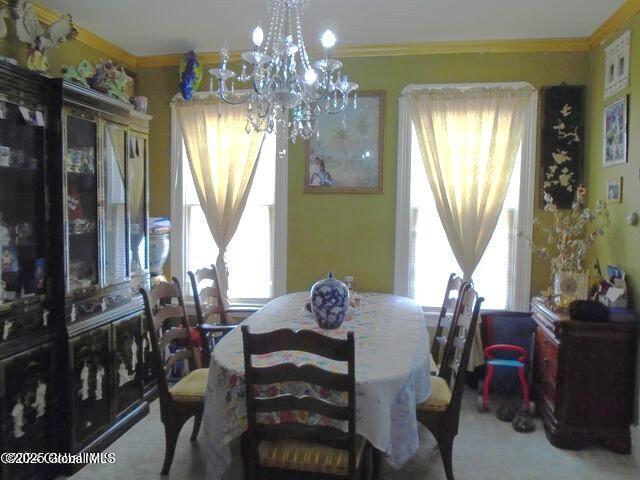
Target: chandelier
[(285, 83)]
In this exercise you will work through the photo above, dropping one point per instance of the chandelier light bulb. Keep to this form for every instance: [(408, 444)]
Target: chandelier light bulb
[(310, 76), (258, 36), (328, 39)]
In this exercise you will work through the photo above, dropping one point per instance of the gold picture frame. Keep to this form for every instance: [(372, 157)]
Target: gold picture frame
[(343, 157), (614, 190)]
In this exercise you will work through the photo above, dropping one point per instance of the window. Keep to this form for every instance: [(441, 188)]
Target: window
[(255, 256), (424, 258)]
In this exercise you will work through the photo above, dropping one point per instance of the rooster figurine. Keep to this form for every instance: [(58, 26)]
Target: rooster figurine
[(30, 31), (4, 13)]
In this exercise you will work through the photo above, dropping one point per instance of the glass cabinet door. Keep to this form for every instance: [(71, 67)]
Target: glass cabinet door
[(136, 168), (22, 206), (82, 202), (115, 205)]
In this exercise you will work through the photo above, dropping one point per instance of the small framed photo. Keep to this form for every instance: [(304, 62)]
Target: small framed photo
[(614, 190), (616, 117)]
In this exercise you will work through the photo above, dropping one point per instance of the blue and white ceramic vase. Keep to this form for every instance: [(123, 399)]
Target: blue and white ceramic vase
[(329, 302)]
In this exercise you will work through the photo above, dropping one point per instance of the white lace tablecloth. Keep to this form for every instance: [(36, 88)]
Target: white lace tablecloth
[(392, 373)]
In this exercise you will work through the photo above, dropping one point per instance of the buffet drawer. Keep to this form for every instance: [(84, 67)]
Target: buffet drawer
[(546, 365)]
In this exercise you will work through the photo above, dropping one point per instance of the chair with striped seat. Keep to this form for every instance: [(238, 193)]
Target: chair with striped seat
[(449, 306), (296, 449), (171, 347), (440, 413)]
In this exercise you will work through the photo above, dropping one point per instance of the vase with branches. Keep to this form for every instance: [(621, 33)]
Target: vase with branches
[(566, 244)]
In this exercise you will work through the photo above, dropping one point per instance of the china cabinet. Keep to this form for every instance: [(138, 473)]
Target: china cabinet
[(98, 190), (74, 242), (27, 333)]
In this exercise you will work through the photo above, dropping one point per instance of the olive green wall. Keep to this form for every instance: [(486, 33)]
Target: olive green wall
[(620, 245), (354, 234)]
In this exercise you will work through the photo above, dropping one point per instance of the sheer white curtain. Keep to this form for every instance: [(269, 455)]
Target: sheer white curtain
[(223, 158), (469, 139)]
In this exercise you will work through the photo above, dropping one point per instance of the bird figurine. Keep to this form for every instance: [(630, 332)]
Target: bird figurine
[(80, 74), (30, 31), (110, 79), (4, 13)]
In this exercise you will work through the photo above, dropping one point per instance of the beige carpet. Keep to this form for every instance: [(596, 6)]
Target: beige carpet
[(485, 449)]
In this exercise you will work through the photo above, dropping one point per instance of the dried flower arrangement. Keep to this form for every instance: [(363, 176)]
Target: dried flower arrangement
[(566, 244)]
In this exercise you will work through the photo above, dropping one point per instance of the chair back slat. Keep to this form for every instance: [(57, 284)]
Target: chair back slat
[(463, 332), (210, 293), (323, 435), (175, 357), (450, 304), (171, 336), (289, 372), (205, 284), (163, 291), (165, 313), (303, 341), (259, 401), (174, 339), (305, 403)]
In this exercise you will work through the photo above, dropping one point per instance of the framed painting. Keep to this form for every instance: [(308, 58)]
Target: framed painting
[(615, 133), (347, 154)]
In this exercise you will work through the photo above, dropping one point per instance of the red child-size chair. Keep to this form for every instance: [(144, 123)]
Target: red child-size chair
[(520, 363), (510, 339)]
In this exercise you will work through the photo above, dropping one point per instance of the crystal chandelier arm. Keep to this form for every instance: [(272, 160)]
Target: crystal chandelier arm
[(222, 89)]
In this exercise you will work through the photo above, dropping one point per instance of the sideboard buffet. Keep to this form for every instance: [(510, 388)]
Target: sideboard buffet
[(74, 355), (583, 381)]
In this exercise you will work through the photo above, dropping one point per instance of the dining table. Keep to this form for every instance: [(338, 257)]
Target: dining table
[(391, 370)]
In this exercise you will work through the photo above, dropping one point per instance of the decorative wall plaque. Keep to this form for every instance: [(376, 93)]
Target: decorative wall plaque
[(562, 142), (617, 64)]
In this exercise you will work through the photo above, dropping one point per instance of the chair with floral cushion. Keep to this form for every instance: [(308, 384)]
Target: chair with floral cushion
[(171, 346), (277, 447), (440, 413)]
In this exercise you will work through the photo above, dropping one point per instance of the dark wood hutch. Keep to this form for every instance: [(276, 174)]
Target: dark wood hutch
[(583, 382), (74, 372)]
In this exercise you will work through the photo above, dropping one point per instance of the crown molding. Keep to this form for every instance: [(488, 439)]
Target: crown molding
[(614, 22), (403, 49), (610, 26)]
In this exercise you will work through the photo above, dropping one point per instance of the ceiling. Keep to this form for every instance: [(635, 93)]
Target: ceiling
[(152, 27)]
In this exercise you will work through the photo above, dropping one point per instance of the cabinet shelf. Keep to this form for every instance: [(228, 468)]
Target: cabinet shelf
[(17, 170), (91, 175)]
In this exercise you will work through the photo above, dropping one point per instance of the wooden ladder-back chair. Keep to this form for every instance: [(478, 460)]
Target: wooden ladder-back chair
[(449, 305), (208, 300), (293, 449), (440, 413), (169, 330)]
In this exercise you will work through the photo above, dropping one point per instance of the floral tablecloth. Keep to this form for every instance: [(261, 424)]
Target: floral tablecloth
[(392, 373)]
